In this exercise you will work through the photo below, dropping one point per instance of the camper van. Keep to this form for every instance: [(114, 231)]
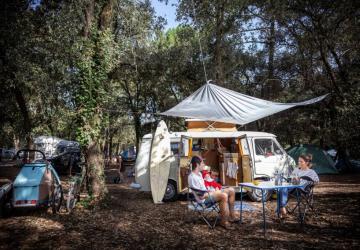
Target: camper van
[(237, 156)]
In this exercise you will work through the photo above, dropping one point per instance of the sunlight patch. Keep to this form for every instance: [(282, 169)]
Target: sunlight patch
[(43, 224), (124, 225)]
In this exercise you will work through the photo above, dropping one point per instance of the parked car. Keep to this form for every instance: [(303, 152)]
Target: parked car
[(65, 155), (6, 154), (67, 162), (128, 154)]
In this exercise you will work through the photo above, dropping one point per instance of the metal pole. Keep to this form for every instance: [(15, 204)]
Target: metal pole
[(263, 205), (241, 198)]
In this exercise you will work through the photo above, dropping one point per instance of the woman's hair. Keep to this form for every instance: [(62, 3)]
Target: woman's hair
[(307, 158), (194, 161)]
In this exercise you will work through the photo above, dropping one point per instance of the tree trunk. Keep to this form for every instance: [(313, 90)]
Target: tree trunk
[(270, 83), (110, 145), (117, 148), (329, 70), (219, 69), (16, 140), (89, 16), (95, 169), (94, 154), (20, 100), (342, 72), (106, 15), (137, 124), (105, 147)]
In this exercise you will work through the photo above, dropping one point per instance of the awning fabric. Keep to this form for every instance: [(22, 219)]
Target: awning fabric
[(214, 103)]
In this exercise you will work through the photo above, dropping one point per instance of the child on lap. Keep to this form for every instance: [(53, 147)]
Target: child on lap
[(210, 183)]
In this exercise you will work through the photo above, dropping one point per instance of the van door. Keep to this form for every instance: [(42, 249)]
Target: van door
[(185, 152), (246, 163), (267, 157)]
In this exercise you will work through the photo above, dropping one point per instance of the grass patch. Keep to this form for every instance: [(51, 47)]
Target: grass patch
[(87, 202)]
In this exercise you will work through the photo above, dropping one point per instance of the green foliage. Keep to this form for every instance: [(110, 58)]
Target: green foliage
[(87, 203), (97, 56), (96, 87)]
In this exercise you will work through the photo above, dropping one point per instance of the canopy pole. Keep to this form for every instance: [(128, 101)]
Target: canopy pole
[(198, 37)]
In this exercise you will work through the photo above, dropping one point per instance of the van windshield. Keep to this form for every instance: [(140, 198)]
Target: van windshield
[(267, 147)]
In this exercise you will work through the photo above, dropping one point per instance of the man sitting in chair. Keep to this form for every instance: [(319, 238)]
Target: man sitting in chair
[(225, 197)]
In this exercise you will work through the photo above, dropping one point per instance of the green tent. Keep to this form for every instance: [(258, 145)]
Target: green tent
[(321, 162)]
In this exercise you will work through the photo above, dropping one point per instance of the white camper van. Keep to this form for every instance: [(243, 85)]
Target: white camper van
[(250, 156)]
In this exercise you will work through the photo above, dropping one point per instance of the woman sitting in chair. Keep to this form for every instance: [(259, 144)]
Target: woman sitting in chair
[(225, 197), (303, 170)]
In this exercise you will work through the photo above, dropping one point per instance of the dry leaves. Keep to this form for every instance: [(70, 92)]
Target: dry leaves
[(128, 219)]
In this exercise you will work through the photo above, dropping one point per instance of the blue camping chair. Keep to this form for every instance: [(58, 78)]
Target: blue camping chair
[(204, 209), (306, 202)]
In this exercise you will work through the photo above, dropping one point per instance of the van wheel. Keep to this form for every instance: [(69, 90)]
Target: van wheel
[(171, 191), (255, 195)]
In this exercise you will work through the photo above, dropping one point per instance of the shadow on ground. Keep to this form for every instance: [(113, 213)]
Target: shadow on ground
[(127, 219)]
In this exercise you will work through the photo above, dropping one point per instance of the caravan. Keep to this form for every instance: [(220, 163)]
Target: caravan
[(237, 156)]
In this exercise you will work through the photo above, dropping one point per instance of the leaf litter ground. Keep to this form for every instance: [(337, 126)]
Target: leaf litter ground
[(128, 219)]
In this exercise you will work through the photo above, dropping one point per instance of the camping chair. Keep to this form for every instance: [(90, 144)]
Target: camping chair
[(204, 209), (306, 199)]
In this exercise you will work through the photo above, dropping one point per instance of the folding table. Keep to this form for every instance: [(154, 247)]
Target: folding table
[(268, 186)]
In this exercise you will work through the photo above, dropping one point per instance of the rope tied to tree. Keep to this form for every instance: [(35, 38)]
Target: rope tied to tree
[(198, 37)]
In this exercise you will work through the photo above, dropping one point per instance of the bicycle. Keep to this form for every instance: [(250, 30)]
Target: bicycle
[(75, 188)]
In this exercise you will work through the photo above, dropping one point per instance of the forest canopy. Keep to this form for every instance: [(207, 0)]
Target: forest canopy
[(99, 71)]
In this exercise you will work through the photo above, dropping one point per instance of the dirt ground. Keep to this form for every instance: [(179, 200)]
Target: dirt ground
[(128, 219)]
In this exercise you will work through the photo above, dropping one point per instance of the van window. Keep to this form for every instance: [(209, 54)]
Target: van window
[(175, 148), (184, 146), (266, 147)]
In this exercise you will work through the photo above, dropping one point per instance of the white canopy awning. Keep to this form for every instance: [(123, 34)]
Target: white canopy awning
[(214, 103)]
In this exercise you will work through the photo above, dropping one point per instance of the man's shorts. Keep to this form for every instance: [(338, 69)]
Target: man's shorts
[(209, 201)]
